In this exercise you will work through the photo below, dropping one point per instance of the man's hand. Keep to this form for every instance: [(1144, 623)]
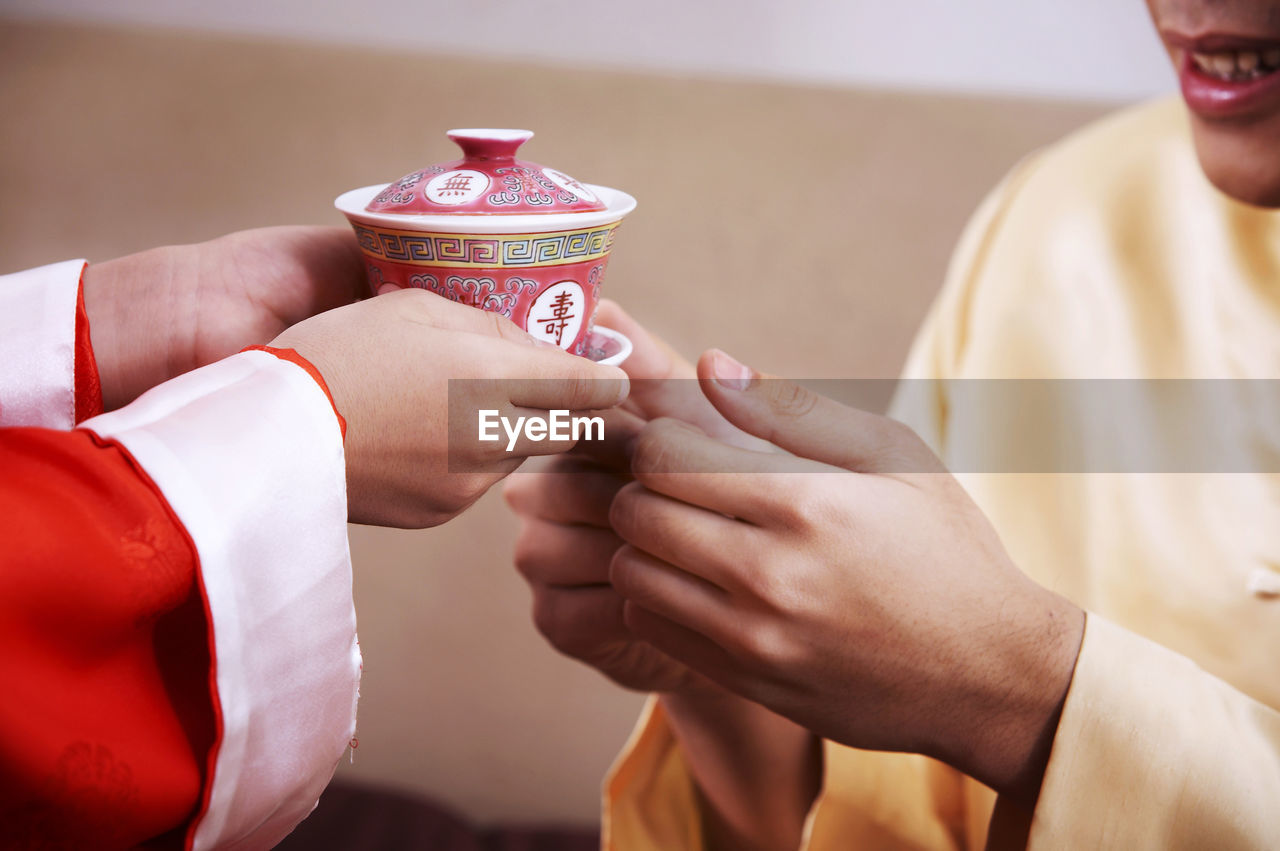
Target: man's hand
[(757, 773), (160, 313), (413, 458), (566, 543), (851, 586)]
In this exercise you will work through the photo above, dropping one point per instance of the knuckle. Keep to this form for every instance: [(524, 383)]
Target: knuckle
[(750, 643), (769, 587), (900, 445), (783, 595), (579, 392), (796, 502), (893, 433), (655, 446), (767, 645), (500, 326), (790, 399), (818, 503)]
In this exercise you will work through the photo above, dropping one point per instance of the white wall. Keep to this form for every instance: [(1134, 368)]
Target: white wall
[(1103, 49)]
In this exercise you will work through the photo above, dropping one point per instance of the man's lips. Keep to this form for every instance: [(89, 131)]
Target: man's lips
[(1227, 76), (1218, 42)]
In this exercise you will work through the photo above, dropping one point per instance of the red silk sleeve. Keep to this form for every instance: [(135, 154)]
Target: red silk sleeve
[(107, 718), (88, 390)]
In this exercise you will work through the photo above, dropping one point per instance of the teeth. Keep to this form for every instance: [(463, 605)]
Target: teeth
[(1238, 66)]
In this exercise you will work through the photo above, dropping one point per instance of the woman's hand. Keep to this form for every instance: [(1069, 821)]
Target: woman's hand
[(851, 586), (410, 371), (163, 312)]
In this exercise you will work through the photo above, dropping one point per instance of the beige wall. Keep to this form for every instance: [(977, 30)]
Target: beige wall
[(802, 229), (1096, 49)]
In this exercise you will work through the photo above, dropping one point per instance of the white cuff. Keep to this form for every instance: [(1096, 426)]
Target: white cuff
[(249, 455), (37, 346)]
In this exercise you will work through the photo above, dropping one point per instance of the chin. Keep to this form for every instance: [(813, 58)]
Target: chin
[(1241, 161)]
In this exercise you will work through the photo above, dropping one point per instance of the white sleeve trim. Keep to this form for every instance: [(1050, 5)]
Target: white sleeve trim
[(249, 455), (38, 344)]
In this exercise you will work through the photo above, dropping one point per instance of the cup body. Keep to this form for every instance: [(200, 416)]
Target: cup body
[(541, 272)]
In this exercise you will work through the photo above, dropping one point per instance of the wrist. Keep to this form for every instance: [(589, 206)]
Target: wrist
[(127, 303), (1006, 738)]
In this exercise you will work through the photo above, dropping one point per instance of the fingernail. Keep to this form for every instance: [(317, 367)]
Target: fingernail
[(387, 288), (729, 373), (624, 389)]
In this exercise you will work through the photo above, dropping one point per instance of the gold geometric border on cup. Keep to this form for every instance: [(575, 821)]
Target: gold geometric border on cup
[(463, 251)]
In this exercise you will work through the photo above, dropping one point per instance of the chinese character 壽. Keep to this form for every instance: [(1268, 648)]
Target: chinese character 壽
[(561, 307)]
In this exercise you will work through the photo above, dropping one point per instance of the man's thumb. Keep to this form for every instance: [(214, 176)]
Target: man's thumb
[(810, 425), (662, 380)]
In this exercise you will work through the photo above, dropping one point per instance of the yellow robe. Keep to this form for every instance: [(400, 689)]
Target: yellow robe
[(1106, 256)]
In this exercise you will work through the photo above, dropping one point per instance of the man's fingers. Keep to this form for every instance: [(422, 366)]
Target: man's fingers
[(674, 459), (579, 621), (810, 425), (666, 590), (704, 543), (662, 381), (560, 555), (613, 453), (681, 643), (573, 490)]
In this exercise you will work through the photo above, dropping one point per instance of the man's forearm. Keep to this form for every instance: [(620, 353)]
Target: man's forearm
[(757, 773)]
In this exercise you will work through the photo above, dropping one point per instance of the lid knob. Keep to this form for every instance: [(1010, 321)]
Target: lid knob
[(489, 144)]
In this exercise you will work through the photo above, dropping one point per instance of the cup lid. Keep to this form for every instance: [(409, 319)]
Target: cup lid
[(487, 181)]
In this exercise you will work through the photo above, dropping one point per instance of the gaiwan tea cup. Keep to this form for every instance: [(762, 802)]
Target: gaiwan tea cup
[(498, 233)]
